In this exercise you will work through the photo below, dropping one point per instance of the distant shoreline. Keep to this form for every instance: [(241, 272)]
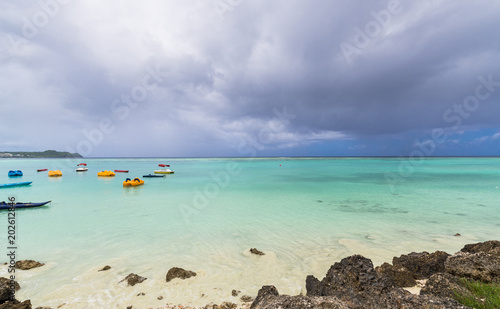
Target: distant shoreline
[(38, 154)]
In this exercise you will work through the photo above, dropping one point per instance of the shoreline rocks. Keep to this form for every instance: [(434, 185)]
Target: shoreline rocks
[(28, 264), (177, 272), (133, 279)]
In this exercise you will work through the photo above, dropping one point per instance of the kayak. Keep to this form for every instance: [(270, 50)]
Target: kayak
[(82, 169), (84, 164), (4, 205), (15, 184), (121, 171), (152, 176), (42, 170)]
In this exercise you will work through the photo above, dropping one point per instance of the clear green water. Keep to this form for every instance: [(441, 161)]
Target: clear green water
[(305, 215)]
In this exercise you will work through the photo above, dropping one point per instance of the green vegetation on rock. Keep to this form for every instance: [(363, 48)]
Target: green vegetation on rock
[(483, 295)]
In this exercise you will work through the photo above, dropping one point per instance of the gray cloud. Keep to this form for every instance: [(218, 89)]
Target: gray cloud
[(222, 77)]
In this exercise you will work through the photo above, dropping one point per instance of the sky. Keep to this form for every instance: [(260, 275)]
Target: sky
[(246, 78)]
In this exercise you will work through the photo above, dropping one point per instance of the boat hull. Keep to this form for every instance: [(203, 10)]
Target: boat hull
[(15, 184), (164, 172), (153, 176), (4, 205), (121, 171)]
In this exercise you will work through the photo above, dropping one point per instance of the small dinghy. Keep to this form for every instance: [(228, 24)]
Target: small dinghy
[(153, 176), (15, 184)]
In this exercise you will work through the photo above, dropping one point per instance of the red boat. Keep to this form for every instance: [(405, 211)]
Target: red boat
[(84, 164), (163, 165), (121, 171), (42, 170)]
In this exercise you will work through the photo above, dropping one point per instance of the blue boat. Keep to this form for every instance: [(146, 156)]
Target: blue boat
[(153, 176), (4, 205), (15, 173), (15, 184)]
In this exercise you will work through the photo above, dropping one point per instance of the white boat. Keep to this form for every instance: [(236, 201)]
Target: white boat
[(164, 171), (82, 169)]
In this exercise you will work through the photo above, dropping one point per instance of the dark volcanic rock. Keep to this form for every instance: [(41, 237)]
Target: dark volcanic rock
[(423, 264), (225, 305), (133, 279), (443, 285), (235, 293), (354, 282), (257, 252), (177, 272), (489, 247), (28, 264), (246, 298), (107, 267), (15, 304), (269, 298), (401, 276), (478, 266), (5, 289)]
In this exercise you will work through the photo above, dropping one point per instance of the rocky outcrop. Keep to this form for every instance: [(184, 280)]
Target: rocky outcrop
[(491, 247), (6, 289), (133, 279), (422, 265), (107, 267), (478, 266), (401, 276), (268, 297), (443, 285), (27, 264), (351, 283), (177, 272), (225, 305), (256, 252), (15, 304)]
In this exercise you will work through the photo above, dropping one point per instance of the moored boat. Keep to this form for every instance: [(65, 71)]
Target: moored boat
[(153, 176), (56, 173), (42, 170), (106, 174), (132, 183), (164, 171), (4, 205), (121, 171), (82, 169), (15, 173), (15, 184), (84, 164)]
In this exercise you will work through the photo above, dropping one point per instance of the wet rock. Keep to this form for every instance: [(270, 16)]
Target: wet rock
[(225, 305), (489, 247), (107, 267), (5, 289), (478, 266), (354, 282), (443, 285), (141, 294), (28, 264), (268, 297), (15, 304), (133, 279), (401, 276), (257, 252), (235, 293), (160, 297), (423, 264), (177, 272), (246, 299), (457, 234)]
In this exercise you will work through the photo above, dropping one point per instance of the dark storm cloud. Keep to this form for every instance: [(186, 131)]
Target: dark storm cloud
[(221, 69)]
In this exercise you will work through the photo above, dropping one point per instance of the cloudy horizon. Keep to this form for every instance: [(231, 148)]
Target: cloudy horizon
[(239, 78)]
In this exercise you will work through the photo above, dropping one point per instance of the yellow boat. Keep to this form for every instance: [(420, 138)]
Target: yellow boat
[(106, 174), (56, 173), (133, 183), (164, 171)]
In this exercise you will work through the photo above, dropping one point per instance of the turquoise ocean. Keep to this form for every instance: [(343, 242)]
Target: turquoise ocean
[(304, 213)]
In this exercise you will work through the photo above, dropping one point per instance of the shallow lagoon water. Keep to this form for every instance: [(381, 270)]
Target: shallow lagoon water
[(304, 213)]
